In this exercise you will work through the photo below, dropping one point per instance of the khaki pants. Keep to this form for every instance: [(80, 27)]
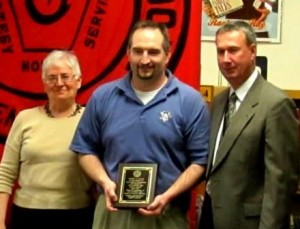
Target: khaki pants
[(172, 218)]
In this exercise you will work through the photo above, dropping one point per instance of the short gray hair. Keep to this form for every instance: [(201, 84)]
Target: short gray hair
[(239, 26), (55, 57)]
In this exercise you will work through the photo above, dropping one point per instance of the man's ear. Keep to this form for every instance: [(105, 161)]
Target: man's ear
[(253, 51), (169, 54)]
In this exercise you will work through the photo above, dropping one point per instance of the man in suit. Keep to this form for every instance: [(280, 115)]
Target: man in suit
[(253, 165)]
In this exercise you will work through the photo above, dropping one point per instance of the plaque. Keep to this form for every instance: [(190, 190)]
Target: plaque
[(136, 185)]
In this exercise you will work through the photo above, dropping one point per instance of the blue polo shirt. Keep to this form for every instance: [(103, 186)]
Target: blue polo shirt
[(171, 130)]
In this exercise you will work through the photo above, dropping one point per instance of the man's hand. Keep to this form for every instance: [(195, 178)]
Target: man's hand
[(157, 207), (264, 14), (110, 195), (208, 10), (2, 226)]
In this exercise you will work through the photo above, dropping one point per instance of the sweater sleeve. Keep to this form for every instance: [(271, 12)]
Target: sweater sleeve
[(9, 166)]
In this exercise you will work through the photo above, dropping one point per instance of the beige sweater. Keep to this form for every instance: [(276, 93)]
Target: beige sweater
[(36, 154)]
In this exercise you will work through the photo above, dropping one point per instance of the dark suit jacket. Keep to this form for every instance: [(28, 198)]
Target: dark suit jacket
[(257, 162)]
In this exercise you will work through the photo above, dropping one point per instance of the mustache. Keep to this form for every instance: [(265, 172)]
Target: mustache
[(148, 65)]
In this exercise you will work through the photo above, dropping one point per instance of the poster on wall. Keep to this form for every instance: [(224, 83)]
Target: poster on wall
[(263, 15), (97, 32)]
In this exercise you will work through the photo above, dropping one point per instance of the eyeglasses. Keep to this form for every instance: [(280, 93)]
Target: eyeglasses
[(53, 79)]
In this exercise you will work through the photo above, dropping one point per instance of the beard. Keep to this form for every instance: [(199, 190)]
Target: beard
[(145, 73)]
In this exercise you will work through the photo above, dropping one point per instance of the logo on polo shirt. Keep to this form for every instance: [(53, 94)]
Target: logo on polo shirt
[(165, 116)]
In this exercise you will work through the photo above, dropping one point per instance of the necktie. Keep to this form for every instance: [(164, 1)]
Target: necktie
[(230, 110)]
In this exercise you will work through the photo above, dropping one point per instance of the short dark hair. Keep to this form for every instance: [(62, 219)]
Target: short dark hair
[(154, 25), (239, 26)]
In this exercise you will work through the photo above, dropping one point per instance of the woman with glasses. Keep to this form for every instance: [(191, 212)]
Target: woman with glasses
[(52, 191)]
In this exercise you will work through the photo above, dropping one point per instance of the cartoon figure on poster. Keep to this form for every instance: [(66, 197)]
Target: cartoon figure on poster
[(263, 15)]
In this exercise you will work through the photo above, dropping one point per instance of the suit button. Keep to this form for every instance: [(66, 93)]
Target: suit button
[(208, 187)]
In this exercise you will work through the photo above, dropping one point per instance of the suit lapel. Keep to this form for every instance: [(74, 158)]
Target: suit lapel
[(218, 108), (240, 120)]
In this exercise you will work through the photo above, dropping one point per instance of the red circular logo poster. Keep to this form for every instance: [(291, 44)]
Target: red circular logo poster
[(97, 31)]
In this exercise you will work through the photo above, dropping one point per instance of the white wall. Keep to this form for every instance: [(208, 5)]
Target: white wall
[(283, 58)]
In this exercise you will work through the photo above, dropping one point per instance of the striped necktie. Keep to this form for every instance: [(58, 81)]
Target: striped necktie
[(231, 108)]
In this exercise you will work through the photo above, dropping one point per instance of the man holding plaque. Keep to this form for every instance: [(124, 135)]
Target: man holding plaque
[(144, 134)]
